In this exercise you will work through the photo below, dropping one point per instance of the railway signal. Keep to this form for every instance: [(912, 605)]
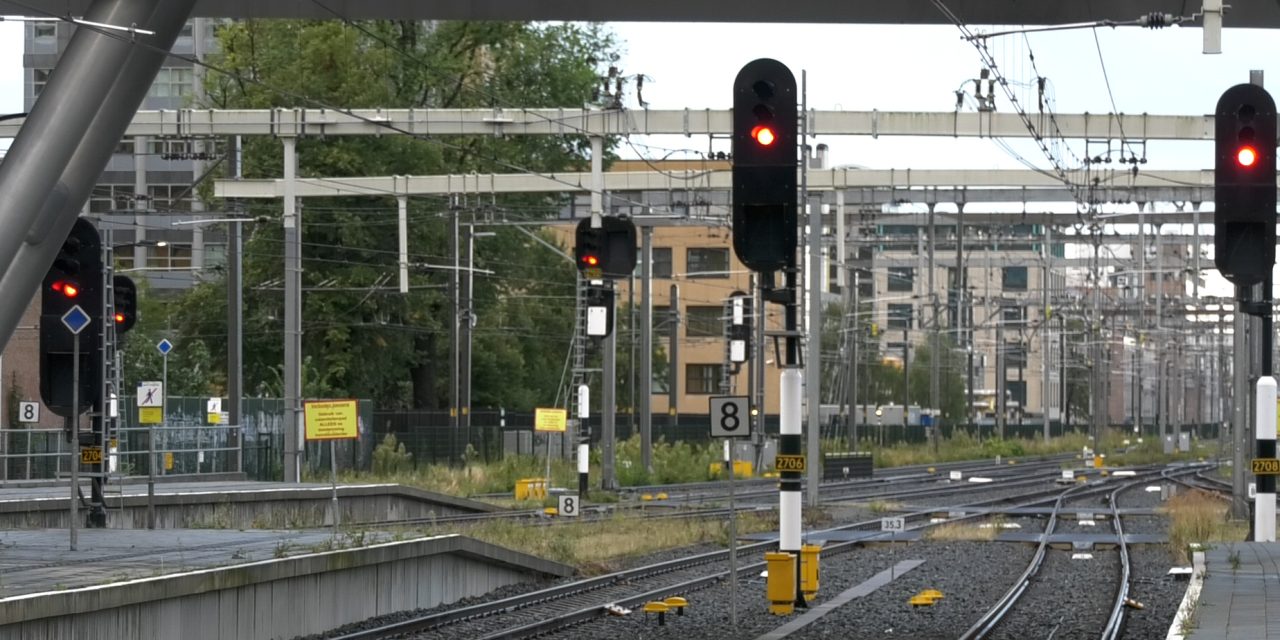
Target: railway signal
[(1245, 184), (126, 303), (764, 165), (74, 279), (606, 250)]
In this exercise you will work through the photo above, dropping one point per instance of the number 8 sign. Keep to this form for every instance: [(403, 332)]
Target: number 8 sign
[(568, 506), (730, 417)]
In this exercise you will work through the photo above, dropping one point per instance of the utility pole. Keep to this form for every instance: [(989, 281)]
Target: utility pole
[(1046, 342), (935, 344), (673, 348), (813, 368), (853, 361), (1001, 405), (293, 443), (646, 348)]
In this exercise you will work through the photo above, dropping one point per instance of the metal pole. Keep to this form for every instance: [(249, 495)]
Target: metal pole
[(235, 340), (733, 541), (608, 403), (673, 348), (333, 477), (464, 322), (1264, 520), (1046, 342), (646, 349), (293, 444), (853, 362), (1239, 402), (757, 368), (935, 342), (455, 351), (73, 437), (813, 367)]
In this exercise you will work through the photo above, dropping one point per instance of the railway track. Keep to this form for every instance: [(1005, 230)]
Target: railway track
[(545, 611)]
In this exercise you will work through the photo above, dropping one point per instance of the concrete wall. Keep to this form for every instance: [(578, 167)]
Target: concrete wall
[(282, 598), (274, 509)]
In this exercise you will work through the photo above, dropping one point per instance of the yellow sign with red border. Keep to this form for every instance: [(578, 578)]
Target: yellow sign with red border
[(331, 420)]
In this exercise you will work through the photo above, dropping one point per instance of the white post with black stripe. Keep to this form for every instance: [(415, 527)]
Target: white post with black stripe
[(790, 444), (1264, 514)]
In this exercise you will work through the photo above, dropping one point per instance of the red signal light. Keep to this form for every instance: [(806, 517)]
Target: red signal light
[(119, 318), (1247, 156), (591, 261), (763, 135), (68, 289)]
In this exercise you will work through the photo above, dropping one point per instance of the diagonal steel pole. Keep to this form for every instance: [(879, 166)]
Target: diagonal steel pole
[(69, 136)]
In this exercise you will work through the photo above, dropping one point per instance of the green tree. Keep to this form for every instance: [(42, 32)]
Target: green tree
[(361, 337), (951, 387)]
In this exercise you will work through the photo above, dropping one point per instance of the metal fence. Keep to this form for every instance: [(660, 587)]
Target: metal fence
[(193, 446)]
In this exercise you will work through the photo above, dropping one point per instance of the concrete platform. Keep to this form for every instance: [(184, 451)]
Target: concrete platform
[(232, 505), (204, 584), (1240, 594)]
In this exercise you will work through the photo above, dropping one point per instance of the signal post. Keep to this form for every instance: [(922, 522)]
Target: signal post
[(1245, 253), (765, 223)]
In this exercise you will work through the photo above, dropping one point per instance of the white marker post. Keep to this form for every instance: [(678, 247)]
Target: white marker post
[(789, 530), (1264, 513)]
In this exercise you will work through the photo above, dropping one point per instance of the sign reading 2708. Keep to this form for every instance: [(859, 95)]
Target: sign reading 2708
[(730, 417)]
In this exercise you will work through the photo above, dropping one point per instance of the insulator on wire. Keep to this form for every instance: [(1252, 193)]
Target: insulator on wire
[(1157, 20)]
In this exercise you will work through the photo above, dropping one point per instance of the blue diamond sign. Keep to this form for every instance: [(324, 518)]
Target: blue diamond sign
[(76, 320), (165, 347)]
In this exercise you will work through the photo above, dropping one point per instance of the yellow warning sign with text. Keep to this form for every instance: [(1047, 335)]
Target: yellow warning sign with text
[(150, 415), (550, 420), (331, 420)]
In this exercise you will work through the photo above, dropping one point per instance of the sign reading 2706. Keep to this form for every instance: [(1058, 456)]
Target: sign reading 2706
[(786, 462), (730, 417)]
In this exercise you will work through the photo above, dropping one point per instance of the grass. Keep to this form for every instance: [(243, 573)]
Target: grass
[(962, 446), (883, 506), (600, 546), (1151, 451), (959, 531), (1196, 516)]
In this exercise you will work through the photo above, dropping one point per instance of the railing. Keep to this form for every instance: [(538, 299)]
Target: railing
[(43, 453)]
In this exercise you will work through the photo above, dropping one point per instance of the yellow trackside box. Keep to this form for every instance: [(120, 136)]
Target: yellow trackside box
[(781, 585), (809, 555)]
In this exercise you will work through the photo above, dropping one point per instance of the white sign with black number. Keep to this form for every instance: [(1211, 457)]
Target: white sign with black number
[(730, 417), (568, 505), (28, 412), (893, 525)]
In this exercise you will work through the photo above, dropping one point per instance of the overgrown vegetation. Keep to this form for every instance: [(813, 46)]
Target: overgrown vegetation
[(601, 545), (962, 446), (1197, 516)]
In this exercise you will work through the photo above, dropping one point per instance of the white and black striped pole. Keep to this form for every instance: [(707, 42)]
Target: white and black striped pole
[(1264, 513), (584, 437)]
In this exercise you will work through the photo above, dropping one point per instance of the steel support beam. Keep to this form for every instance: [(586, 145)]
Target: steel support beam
[(70, 134)]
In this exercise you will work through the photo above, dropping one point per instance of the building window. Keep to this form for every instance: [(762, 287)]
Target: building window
[(163, 197), (1013, 315), (662, 262), (1015, 355), (172, 82), (39, 78), (900, 316), (1014, 279), (707, 262), (704, 322), (702, 379), (1017, 393), (902, 278), (45, 30), (170, 256)]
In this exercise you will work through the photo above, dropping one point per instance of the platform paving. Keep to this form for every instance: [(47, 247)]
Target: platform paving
[(33, 561), (1241, 593)]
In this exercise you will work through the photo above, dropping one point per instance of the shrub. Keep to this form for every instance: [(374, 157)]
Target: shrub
[(390, 457)]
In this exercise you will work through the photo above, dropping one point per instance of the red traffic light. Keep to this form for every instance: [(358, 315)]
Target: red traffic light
[(66, 288), (1247, 156), (591, 261), (763, 135), (119, 318)]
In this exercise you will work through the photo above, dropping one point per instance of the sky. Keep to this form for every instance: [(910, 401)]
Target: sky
[(911, 68)]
